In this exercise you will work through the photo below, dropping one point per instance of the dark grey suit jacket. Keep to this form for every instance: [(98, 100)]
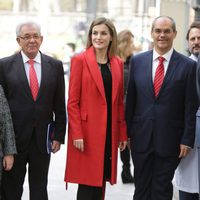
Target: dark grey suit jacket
[(28, 114)]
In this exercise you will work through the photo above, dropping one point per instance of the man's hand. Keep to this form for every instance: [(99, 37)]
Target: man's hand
[(8, 161), (122, 145), (55, 146), (79, 144), (184, 150)]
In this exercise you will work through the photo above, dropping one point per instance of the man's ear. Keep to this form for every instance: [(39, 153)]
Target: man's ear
[(18, 40), (41, 38)]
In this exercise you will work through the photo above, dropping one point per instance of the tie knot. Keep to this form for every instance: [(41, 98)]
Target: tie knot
[(31, 61), (161, 59)]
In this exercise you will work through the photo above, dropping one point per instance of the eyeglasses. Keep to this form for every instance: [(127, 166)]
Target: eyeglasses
[(164, 31), (29, 37)]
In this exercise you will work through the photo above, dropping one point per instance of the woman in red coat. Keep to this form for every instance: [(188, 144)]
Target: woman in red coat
[(96, 113)]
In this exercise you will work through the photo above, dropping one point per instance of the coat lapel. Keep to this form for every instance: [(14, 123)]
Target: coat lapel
[(94, 69), (148, 74), (115, 71)]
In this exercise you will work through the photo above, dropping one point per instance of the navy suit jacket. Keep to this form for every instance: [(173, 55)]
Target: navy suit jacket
[(28, 114), (168, 120)]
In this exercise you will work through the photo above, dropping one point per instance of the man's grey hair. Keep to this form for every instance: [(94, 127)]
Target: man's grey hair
[(27, 23)]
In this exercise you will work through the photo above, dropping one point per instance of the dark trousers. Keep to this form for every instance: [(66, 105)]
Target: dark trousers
[(125, 158), (188, 196), (38, 165), (153, 175), (86, 192)]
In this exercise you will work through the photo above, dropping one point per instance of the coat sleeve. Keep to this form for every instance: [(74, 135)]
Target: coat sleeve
[(7, 130), (191, 106), (130, 100), (59, 105), (74, 97)]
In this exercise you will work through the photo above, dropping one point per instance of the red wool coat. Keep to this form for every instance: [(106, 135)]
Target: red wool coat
[(87, 115)]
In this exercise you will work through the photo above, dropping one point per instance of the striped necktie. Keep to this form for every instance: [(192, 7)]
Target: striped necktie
[(33, 80), (159, 76)]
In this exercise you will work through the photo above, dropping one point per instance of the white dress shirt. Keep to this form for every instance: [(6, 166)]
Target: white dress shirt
[(155, 62), (37, 66)]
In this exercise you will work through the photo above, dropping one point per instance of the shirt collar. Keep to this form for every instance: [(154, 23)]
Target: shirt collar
[(36, 59), (167, 55), (193, 57)]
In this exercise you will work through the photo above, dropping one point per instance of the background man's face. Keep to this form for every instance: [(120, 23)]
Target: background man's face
[(194, 41)]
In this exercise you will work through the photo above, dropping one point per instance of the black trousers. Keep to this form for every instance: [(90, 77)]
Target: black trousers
[(38, 166), (125, 158), (188, 196), (86, 192)]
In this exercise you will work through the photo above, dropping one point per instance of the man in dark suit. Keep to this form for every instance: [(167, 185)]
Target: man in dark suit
[(160, 112), (35, 93)]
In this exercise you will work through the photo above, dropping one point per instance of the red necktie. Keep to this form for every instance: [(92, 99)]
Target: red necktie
[(159, 76), (33, 80)]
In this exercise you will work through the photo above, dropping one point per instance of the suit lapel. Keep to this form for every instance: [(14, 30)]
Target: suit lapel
[(148, 74), (173, 63), (45, 70), (20, 72), (94, 69)]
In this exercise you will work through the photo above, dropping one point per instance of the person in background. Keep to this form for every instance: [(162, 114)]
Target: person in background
[(7, 137), (125, 51), (186, 178), (72, 48), (69, 51), (161, 105), (95, 108), (34, 87)]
